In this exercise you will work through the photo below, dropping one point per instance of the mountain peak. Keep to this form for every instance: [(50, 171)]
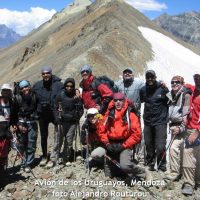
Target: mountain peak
[(185, 26), (7, 36), (82, 2), (104, 34)]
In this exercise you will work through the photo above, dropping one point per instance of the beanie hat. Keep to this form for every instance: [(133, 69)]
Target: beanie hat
[(24, 83), (86, 68), (150, 72), (178, 78), (118, 95), (46, 69)]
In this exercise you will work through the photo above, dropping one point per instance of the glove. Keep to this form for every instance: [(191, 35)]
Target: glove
[(109, 147), (117, 148)]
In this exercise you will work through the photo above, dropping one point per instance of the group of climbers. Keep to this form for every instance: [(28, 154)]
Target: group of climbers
[(112, 128)]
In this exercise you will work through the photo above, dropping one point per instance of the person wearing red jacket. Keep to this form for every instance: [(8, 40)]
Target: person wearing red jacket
[(94, 93), (191, 152), (120, 132)]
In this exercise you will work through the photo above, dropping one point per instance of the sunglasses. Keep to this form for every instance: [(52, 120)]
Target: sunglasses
[(69, 86), (175, 82), (24, 87), (43, 73), (85, 71), (150, 77), (91, 116), (115, 100)]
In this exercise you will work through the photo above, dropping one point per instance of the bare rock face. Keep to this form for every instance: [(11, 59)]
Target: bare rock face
[(184, 26)]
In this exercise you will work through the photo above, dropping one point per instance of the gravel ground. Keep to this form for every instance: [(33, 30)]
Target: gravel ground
[(74, 182)]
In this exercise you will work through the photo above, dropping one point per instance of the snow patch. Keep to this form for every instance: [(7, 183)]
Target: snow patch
[(170, 58)]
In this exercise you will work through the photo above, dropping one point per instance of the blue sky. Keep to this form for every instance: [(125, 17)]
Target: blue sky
[(175, 7), (25, 15)]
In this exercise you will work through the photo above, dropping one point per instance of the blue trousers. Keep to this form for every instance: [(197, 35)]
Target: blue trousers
[(27, 143)]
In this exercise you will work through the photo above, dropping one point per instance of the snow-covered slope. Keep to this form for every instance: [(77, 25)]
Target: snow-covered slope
[(170, 58)]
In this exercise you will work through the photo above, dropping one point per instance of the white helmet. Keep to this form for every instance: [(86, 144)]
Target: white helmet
[(92, 111)]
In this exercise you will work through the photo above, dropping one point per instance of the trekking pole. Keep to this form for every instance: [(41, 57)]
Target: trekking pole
[(75, 145), (15, 160), (59, 128), (14, 140), (79, 134), (119, 166), (164, 154), (87, 154), (21, 156)]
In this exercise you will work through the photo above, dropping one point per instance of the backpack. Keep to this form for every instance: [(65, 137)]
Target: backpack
[(176, 112), (16, 89), (104, 80)]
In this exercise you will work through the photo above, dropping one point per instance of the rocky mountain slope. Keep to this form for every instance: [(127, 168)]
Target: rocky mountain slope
[(7, 36), (185, 26), (104, 34)]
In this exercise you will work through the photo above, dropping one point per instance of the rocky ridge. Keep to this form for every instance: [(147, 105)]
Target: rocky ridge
[(185, 26)]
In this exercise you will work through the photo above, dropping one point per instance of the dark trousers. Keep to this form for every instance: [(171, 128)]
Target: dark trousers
[(155, 140), (66, 135), (44, 122)]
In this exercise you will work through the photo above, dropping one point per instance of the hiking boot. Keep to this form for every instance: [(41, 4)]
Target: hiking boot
[(50, 164), (43, 162), (27, 169), (107, 171), (187, 189), (151, 168), (60, 161), (172, 176), (163, 169)]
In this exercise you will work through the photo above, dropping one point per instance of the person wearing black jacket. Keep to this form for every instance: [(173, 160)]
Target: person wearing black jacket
[(68, 111), (155, 116), (25, 105), (46, 91)]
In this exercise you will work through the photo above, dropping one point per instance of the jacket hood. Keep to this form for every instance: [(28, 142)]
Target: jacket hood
[(71, 80), (55, 78)]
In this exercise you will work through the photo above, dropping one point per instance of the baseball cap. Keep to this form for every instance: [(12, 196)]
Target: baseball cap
[(6, 86), (128, 69), (92, 111)]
